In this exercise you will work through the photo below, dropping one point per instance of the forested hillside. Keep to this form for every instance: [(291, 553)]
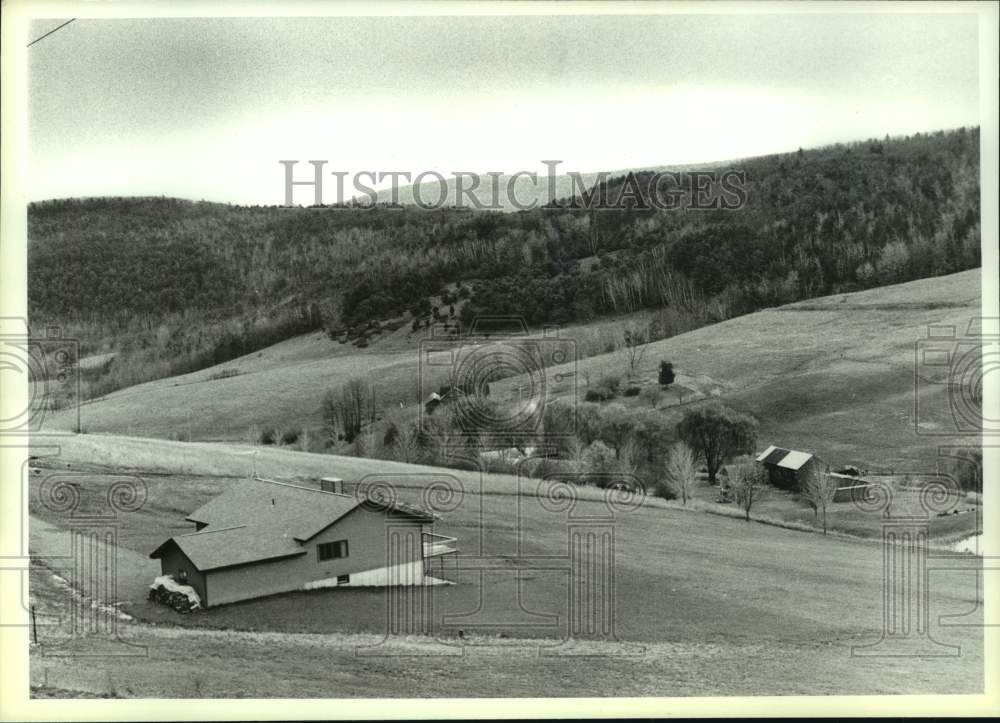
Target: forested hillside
[(175, 285)]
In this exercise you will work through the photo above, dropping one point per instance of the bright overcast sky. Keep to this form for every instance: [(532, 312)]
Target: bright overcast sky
[(207, 108)]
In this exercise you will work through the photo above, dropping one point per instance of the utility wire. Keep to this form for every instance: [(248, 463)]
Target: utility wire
[(50, 32)]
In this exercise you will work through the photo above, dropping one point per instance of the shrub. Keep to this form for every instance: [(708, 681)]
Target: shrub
[(666, 376), (291, 435), (664, 490), (605, 389), (598, 462), (611, 381), (599, 394), (268, 435), (390, 435), (966, 468), (632, 391), (224, 374)]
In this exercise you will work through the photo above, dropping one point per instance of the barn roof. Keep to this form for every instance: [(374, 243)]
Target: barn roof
[(773, 455), (786, 458), (763, 455), (211, 549), (794, 460)]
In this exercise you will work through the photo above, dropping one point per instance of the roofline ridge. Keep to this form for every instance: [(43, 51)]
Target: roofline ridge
[(218, 529), (299, 487)]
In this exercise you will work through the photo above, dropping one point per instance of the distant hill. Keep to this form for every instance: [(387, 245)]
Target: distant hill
[(833, 375), (174, 286), (513, 193)]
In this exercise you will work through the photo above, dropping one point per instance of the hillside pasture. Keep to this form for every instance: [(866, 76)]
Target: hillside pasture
[(834, 375), (703, 586)]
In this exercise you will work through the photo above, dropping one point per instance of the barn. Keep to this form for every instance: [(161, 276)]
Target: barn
[(786, 468), (263, 537)]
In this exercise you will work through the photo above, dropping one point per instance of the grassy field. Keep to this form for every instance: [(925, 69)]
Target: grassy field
[(282, 386), (696, 596), (834, 375)]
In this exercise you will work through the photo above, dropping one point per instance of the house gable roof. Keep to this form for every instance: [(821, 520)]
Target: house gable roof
[(261, 519), (299, 512), (228, 546)]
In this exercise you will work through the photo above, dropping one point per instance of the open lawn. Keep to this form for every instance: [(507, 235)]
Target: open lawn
[(701, 594), (172, 662)]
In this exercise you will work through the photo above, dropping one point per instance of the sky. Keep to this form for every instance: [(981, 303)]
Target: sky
[(205, 108)]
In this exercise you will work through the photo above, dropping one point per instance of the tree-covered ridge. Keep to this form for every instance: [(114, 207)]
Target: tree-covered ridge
[(821, 221)]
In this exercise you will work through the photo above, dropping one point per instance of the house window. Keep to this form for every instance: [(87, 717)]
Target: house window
[(343, 579), (332, 550), (182, 575)]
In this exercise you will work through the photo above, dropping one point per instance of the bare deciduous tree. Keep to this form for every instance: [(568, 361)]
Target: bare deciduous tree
[(635, 340), (348, 409), (629, 457), (367, 443), (819, 488), (406, 446), (680, 470), (488, 455), (749, 487), (574, 454)]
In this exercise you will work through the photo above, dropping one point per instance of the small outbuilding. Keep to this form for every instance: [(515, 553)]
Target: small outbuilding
[(786, 468)]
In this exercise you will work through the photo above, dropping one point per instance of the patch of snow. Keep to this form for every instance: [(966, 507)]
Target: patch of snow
[(321, 584), (111, 609), (428, 580), (171, 585), (971, 544)]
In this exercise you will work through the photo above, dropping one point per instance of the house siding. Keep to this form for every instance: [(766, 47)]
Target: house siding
[(366, 535), (173, 560)]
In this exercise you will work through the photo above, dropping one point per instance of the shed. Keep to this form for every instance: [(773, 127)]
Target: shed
[(786, 468)]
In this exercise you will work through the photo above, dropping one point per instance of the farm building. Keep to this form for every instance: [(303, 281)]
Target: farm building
[(453, 393), (263, 537), (786, 468)]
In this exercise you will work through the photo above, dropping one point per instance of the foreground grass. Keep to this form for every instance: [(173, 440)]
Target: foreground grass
[(172, 662)]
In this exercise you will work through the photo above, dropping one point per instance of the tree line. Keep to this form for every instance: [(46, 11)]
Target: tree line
[(828, 220)]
